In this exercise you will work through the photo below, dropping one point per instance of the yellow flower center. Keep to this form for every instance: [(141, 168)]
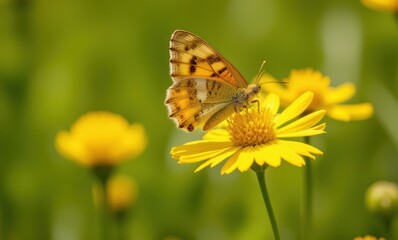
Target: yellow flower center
[(251, 127)]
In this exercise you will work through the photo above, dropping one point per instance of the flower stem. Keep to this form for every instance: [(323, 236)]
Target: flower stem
[(121, 225), (307, 226), (102, 173), (267, 201), (104, 212), (388, 227)]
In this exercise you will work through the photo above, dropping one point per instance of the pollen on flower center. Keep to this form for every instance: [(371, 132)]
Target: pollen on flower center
[(249, 128)]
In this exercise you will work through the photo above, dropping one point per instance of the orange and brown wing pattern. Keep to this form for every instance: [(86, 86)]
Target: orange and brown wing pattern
[(191, 56), (194, 101)]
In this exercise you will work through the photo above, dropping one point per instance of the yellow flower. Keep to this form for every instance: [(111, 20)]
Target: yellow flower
[(101, 139), (384, 5), (325, 96), (122, 193), (256, 136), (368, 237)]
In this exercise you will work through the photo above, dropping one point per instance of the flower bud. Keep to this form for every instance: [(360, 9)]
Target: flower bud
[(122, 193), (382, 199)]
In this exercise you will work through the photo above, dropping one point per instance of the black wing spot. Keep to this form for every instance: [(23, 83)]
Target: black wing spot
[(222, 70), (193, 60), (190, 127), (192, 69), (213, 58), (194, 45)]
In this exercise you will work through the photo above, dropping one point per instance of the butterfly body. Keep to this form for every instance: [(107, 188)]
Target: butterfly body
[(206, 88)]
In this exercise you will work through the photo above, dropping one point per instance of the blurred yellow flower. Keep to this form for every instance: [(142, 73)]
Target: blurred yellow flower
[(384, 5), (122, 193), (368, 237), (101, 139), (256, 136), (325, 96)]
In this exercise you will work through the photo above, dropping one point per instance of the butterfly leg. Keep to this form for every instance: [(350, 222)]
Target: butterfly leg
[(258, 104), (239, 109)]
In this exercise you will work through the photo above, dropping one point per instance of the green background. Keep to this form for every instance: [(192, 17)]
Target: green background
[(61, 59)]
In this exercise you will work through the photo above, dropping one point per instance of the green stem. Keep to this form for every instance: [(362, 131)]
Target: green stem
[(102, 173), (267, 201), (307, 226), (121, 225), (104, 212), (388, 228)]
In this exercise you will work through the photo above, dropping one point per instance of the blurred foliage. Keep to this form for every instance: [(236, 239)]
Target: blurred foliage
[(61, 59)]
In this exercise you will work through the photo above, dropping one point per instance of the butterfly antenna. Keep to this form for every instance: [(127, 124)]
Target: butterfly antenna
[(284, 82), (260, 72), (279, 82)]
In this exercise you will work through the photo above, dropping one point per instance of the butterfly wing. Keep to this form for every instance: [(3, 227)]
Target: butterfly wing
[(191, 56), (205, 83), (194, 101)]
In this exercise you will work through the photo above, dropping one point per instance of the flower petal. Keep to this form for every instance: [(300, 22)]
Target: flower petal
[(303, 123), (351, 112), (130, 144), (302, 148), (231, 164), (340, 94), (217, 159), (386, 5), (198, 157), (269, 154), (220, 134), (70, 147), (272, 102), (246, 158), (294, 109), (201, 146), (319, 129), (290, 155)]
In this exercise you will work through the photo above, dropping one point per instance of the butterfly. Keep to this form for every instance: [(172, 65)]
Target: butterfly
[(206, 88)]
